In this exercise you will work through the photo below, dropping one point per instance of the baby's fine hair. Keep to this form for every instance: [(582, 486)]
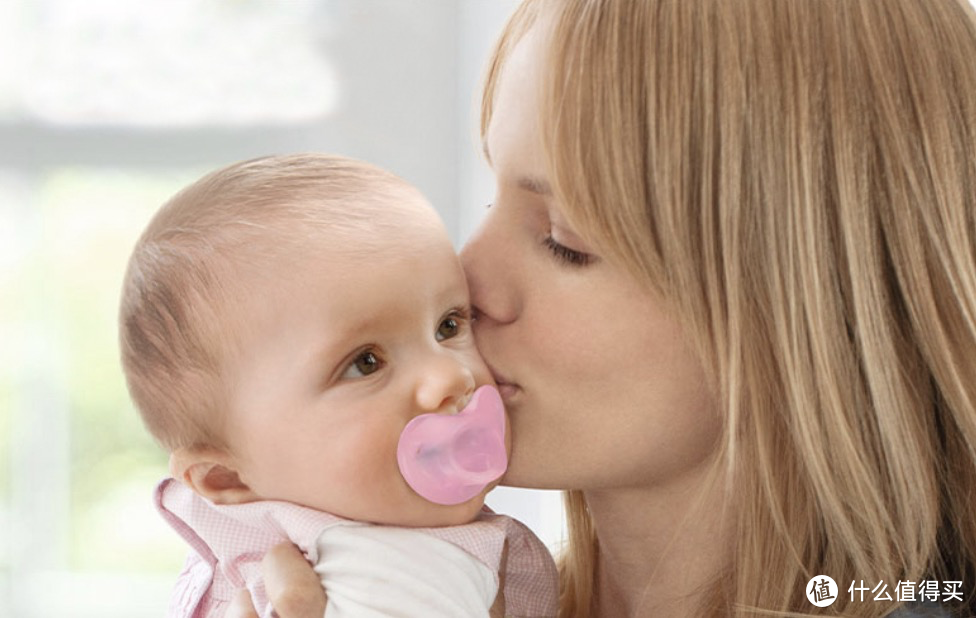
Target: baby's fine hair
[(186, 268)]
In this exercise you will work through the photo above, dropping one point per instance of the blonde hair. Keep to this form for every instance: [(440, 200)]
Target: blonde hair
[(193, 260), (798, 179)]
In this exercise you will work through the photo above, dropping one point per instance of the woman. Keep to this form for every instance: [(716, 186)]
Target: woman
[(728, 288)]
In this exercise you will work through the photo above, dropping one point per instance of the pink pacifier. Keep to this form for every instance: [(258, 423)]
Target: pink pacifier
[(451, 458)]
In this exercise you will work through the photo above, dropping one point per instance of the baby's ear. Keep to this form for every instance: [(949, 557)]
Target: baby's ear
[(210, 473)]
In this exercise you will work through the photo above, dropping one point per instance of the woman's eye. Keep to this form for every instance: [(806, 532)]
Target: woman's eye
[(366, 362), (565, 254)]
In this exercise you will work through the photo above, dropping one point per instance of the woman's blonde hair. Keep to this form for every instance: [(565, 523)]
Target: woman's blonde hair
[(798, 179)]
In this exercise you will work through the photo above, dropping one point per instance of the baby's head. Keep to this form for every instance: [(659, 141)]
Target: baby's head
[(282, 321)]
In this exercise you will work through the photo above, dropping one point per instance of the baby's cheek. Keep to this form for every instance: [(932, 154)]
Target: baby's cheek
[(476, 365), (366, 454)]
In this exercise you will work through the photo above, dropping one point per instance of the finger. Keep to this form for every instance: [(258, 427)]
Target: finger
[(293, 587), (241, 606), (497, 609)]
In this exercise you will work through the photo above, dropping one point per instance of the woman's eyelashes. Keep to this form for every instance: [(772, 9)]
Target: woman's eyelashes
[(565, 254)]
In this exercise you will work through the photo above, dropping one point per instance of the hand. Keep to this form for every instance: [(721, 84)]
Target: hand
[(241, 606), (292, 586)]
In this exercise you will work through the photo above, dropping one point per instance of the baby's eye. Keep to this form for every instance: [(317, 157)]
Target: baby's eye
[(450, 326), (365, 363)]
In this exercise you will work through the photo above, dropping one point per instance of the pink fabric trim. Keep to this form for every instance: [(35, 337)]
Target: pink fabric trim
[(229, 541)]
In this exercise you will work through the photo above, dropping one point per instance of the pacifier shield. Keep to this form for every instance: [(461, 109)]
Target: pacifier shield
[(451, 458)]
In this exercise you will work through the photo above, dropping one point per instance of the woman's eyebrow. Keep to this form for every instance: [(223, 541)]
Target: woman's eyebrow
[(529, 183), (535, 185)]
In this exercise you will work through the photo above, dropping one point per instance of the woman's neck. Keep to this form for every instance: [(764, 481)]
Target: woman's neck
[(661, 548)]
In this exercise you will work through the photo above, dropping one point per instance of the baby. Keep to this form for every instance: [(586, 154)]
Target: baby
[(295, 331)]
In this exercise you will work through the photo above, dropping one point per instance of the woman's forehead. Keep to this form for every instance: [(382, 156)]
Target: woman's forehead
[(513, 140)]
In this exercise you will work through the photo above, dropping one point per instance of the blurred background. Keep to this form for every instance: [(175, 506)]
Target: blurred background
[(107, 107)]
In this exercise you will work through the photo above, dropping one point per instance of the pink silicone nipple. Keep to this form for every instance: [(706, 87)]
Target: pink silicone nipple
[(451, 458)]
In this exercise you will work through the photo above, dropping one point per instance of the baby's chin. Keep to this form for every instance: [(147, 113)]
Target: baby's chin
[(431, 515), (457, 514)]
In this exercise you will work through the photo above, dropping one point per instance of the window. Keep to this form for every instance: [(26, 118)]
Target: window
[(106, 108), (175, 64)]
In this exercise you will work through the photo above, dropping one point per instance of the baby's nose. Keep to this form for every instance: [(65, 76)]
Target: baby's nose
[(444, 384)]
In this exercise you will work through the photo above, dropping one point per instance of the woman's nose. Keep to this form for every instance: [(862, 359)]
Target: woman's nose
[(444, 383), (489, 259)]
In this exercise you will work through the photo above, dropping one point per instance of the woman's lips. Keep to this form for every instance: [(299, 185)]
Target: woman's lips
[(507, 391), (506, 388)]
